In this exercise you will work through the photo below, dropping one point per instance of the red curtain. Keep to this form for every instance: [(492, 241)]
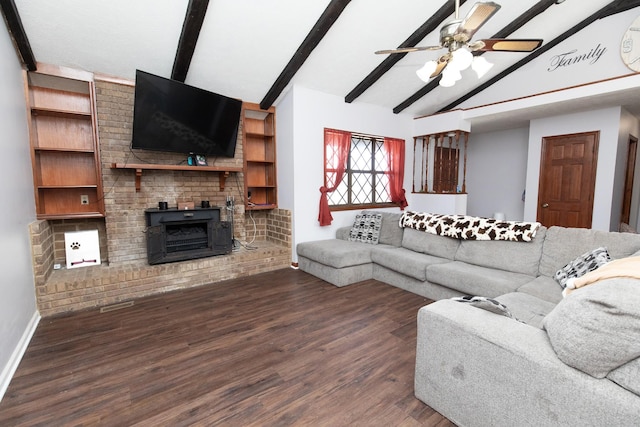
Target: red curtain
[(336, 152), (395, 154)]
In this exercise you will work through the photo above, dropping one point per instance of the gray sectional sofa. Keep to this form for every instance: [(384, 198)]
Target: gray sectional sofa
[(480, 368)]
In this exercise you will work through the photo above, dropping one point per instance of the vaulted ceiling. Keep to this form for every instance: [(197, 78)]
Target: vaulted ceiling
[(255, 49)]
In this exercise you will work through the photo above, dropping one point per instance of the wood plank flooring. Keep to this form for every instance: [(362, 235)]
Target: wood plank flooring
[(275, 349)]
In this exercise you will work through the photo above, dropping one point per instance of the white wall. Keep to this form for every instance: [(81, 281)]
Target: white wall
[(607, 121), (307, 113), (600, 41), (496, 173), (285, 150), (630, 126), (18, 312)]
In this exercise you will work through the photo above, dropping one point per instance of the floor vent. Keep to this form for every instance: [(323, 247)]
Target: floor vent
[(117, 306)]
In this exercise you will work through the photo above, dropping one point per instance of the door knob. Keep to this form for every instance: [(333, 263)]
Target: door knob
[(545, 205)]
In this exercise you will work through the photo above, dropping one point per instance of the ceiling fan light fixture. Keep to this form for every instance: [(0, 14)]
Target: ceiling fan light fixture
[(481, 66), (444, 82), (452, 73), (449, 76), (427, 70), (461, 59)]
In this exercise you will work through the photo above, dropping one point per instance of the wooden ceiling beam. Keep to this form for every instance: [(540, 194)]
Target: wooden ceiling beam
[(18, 34), (431, 24), (196, 12), (517, 23), (611, 9), (620, 6), (315, 36)]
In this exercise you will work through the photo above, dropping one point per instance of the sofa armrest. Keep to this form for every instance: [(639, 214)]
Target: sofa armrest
[(342, 233), (480, 368)]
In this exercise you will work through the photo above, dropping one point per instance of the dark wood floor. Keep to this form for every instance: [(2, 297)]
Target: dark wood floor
[(276, 349)]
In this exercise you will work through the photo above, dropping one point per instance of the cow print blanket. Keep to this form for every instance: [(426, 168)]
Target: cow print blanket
[(469, 227)]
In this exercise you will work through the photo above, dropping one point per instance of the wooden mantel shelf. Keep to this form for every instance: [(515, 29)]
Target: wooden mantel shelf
[(223, 171)]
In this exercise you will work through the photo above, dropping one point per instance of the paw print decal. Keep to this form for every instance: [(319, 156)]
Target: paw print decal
[(75, 245)]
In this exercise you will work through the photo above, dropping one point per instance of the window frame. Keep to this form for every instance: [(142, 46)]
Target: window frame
[(378, 144)]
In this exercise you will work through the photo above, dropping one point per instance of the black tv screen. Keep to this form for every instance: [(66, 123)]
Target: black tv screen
[(174, 117)]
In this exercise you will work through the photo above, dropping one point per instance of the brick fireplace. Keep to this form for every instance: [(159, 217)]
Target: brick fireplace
[(125, 272), (177, 235)]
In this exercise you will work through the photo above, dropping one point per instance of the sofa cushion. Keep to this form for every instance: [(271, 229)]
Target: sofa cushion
[(475, 280), (431, 244), (597, 328), (518, 257), (526, 308), (366, 228), (405, 261), (562, 245), (583, 264), (627, 376), (390, 232), (335, 252), (544, 288)]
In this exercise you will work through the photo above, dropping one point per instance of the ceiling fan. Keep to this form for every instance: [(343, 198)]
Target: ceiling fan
[(455, 36)]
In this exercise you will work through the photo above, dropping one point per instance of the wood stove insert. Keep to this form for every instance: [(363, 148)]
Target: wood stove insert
[(178, 235)]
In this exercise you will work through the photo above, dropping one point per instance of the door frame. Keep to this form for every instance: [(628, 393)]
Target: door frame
[(629, 176), (593, 173)]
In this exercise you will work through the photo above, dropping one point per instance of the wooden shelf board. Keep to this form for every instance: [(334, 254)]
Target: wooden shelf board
[(260, 161), (71, 215), (64, 150), (38, 111), (223, 171), (260, 207), (150, 166), (259, 135), (65, 187)]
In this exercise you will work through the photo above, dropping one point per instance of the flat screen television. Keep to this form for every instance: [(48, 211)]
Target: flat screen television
[(171, 116)]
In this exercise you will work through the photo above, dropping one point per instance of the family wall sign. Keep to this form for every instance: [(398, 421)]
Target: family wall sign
[(574, 57)]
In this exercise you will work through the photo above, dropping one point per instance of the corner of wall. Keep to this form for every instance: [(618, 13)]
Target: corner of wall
[(10, 368), (42, 251)]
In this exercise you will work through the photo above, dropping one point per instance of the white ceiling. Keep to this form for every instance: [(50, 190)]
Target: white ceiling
[(245, 44)]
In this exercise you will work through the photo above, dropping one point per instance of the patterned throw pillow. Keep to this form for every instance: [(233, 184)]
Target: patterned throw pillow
[(580, 266), (366, 228), (485, 303)]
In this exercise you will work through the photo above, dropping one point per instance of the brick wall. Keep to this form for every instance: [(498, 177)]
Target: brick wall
[(59, 227), (42, 251), (279, 226), (264, 237), (125, 221)]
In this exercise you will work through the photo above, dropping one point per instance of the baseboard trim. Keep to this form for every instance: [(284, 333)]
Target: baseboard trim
[(16, 357)]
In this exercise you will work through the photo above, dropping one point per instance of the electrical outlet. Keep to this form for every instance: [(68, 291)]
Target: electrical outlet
[(84, 199)]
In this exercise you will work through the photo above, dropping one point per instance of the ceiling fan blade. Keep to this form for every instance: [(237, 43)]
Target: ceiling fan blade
[(509, 45), (477, 16), (407, 49)]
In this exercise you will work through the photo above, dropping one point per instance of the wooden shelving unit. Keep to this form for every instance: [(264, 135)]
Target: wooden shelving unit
[(259, 139), (223, 171), (64, 145)]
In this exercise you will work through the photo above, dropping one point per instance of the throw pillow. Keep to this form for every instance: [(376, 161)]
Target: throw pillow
[(485, 303), (366, 228), (597, 329), (580, 266)]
